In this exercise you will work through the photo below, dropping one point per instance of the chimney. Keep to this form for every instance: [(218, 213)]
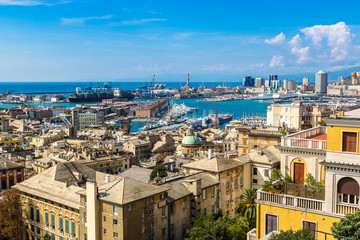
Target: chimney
[(92, 210), (209, 153), (107, 178)]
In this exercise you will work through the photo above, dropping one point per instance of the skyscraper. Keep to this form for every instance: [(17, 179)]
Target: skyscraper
[(259, 82), (248, 81), (321, 81), (306, 81), (286, 84)]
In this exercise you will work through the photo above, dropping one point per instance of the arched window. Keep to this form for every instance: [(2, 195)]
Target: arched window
[(348, 191)]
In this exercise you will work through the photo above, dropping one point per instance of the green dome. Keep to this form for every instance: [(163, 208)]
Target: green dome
[(191, 140)]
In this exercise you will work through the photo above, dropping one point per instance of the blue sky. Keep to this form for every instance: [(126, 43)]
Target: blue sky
[(90, 40)]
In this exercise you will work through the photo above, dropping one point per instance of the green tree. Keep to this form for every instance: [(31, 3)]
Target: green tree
[(11, 219), (303, 234), (247, 206), (348, 226), (222, 228), (47, 237), (162, 170)]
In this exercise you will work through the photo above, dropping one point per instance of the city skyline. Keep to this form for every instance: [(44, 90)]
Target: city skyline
[(97, 41)]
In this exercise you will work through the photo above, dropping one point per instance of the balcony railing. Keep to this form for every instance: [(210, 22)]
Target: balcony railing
[(288, 200), (342, 208), (303, 139)]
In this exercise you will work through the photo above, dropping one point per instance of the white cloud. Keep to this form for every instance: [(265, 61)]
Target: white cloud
[(68, 21), (277, 40), (302, 53), (336, 35), (295, 41), (277, 61), (338, 54), (137, 21), (30, 2)]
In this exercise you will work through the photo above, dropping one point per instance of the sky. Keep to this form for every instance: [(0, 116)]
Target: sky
[(123, 40)]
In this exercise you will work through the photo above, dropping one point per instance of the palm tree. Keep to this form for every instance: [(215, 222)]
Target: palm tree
[(247, 206)]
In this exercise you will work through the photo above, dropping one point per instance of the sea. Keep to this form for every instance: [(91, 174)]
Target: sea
[(239, 108)]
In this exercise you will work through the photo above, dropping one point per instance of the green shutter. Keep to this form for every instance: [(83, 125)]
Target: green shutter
[(73, 228), (52, 220), (37, 215), (61, 223), (46, 218), (66, 226)]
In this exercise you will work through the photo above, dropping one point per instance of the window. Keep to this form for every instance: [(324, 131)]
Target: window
[(104, 231), (52, 225), (171, 206), (213, 209), (163, 212), (311, 226), (255, 181), (348, 191), (104, 219), (151, 212), (152, 225), (255, 170), (236, 170), (72, 228), (204, 211), (183, 221), (204, 194), (255, 139), (349, 141), (115, 208), (227, 186), (213, 191), (227, 173), (227, 202), (115, 222), (46, 219), (152, 199), (129, 207), (61, 222), (267, 139), (115, 235), (184, 203), (31, 213), (67, 226), (235, 183), (266, 173), (270, 223)]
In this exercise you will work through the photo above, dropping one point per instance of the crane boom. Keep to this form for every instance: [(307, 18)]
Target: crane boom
[(62, 118)]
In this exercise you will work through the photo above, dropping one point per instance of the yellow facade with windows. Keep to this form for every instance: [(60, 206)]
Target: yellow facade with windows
[(294, 219)]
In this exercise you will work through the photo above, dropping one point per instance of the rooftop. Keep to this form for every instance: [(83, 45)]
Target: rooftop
[(215, 164), (313, 138)]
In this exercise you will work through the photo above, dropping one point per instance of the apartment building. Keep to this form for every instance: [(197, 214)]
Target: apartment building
[(51, 203), (140, 148), (252, 138), (297, 115), (46, 139), (87, 117), (328, 153), (10, 174)]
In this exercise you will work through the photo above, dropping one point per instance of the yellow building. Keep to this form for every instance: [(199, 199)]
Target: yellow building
[(251, 138), (330, 154), (46, 139), (51, 203)]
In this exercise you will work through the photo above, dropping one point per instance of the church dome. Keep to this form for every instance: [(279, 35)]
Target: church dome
[(191, 140)]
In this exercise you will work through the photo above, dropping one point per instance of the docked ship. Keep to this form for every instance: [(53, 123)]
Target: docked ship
[(97, 94), (222, 118), (266, 96)]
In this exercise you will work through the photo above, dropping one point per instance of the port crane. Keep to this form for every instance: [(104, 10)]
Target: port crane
[(64, 119), (146, 90)]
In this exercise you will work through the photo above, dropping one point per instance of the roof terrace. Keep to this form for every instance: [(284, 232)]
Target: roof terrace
[(313, 138)]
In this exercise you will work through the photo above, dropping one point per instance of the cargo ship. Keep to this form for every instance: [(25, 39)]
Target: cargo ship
[(97, 94)]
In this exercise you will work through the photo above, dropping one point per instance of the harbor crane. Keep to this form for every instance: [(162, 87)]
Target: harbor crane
[(64, 119)]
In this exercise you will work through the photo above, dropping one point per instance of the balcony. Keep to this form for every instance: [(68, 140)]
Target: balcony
[(289, 200), (314, 138)]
